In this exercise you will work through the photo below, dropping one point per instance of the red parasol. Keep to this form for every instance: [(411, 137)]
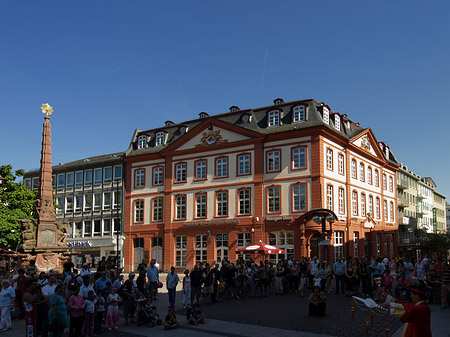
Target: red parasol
[(261, 248)]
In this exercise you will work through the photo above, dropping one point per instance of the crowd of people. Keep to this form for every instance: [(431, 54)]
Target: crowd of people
[(87, 302)]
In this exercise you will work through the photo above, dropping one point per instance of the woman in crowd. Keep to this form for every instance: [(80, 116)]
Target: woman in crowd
[(279, 273), (57, 314), (7, 298), (317, 303)]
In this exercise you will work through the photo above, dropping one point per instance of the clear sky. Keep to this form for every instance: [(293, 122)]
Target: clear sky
[(110, 67)]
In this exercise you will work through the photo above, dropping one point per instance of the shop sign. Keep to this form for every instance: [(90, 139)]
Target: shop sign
[(79, 244), (212, 222), (278, 218)]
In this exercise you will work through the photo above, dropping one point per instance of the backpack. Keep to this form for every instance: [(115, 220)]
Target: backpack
[(73, 283)]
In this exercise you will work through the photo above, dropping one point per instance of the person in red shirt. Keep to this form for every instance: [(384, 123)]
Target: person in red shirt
[(416, 315)]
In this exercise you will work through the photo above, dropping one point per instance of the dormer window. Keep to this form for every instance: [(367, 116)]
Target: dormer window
[(160, 138), (234, 108), (246, 118), (203, 115), (278, 101), (337, 122), (273, 118), (326, 115), (142, 142), (168, 123), (183, 130), (299, 114)]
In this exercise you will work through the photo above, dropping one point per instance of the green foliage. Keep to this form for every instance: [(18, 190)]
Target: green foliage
[(16, 202), (438, 244)]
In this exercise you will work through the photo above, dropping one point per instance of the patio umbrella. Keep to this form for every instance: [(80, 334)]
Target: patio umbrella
[(261, 248)]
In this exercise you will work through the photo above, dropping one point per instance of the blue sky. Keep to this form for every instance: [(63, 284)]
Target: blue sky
[(109, 67)]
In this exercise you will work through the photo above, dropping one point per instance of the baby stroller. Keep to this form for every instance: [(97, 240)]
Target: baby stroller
[(148, 316)]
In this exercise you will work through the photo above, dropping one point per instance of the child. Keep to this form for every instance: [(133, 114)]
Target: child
[(197, 316), (302, 285), (100, 312), (186, 289), (387, 281), (171, 320), (76, 306), (89, 314), (317, 281), (112, 317)]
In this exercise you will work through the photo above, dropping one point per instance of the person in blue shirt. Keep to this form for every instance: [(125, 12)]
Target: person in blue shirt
[(153, 279), (100, 284), (7, 298), (339, 273)]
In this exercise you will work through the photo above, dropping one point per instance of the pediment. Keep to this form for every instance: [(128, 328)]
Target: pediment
[(366, 141), (210, 134)]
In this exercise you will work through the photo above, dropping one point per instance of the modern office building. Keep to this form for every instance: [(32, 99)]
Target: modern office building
[(198, 190), (89, 194)]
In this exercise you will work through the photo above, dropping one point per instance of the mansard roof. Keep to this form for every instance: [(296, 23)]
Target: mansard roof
[(257, 123)]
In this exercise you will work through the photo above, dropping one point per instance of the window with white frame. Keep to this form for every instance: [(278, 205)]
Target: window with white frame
[(157, 209), (61, 205), (158, 175), (244, 240), (273, 161), (221, 247), (221, 167), (376, 177), (97, 176), (201, 249), (107, 175), (78, 203), (274, 199), (116, 224), (341, 201), (243, 164), (139, 178), (69, 180), (385, 210), (338, 245), (117, 199), (391, 184), (299, 158), (106, 227), (142, 142), (79, 179), (139, 211), (326, 115), (222, 203), (361, 172), (97, 227), (106, 200), (363, 204), (355, 244), (283, 240), (87, 232), (391, 211), (384, 182), (27, 183), (377, 208), (88, 202), (159, 138), (353, 168), (355, 203), (329, 159), (369, 175), (200, 170), (299, 197), (180, 172), (53, 182), (273, 118), (97, 201), (35, 184), (200, 205), (69, 204), (299, 113), (118, 172), (70, 226), (180, 251), (330, 197), (180, 203), (371, 205), (61, 181), (88, 178), (341, 163), (337, 122), (244, 201)]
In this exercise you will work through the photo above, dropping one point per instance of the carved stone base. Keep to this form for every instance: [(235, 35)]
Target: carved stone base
[(47, 261)]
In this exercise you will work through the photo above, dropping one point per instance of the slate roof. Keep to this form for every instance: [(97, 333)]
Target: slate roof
[(258, 123)]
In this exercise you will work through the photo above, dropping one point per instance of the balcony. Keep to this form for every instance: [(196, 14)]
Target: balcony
[(403, 202), (421, 194), (402, 184)]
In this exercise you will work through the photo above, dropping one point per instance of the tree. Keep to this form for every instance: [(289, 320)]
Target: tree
[(16, 202)]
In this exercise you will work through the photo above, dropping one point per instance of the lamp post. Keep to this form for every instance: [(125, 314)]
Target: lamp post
[(321, 219)]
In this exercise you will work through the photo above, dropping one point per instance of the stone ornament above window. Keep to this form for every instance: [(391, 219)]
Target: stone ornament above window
[(211, 137)]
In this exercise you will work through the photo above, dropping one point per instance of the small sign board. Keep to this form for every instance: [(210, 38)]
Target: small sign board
[(324, 243)]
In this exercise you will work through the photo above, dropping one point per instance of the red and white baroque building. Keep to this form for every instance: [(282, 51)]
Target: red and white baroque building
[(199, 190)]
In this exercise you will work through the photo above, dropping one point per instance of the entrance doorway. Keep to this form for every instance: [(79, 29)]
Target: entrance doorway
[(314, 246), (157, 250), (138, 251)]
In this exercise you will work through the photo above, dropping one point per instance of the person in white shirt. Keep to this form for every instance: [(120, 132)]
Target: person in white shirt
[(86, 270), (86, 288)]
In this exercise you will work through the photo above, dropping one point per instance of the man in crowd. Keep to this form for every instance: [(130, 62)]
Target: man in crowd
[(196, 284), (339, 273), (128, 296), (172, 280), (153, 279)]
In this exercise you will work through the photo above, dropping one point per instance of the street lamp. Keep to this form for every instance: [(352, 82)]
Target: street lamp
[(321, 219)]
